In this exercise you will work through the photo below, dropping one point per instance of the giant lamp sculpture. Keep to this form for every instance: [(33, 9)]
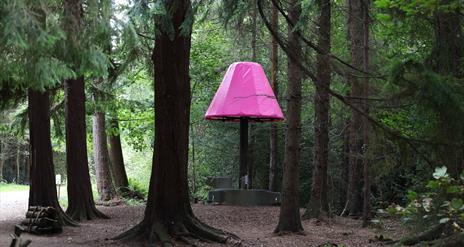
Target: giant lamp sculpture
[(244, 96)]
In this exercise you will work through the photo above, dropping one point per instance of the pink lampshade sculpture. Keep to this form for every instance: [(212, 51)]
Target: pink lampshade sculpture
[(244, 95)]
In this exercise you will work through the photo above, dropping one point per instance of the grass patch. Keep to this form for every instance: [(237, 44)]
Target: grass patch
[(5, 187)]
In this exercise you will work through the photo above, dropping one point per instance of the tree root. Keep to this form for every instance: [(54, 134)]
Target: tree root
[(429, 235), (64, 219), (186, 231), (454, 240), (85, 213)]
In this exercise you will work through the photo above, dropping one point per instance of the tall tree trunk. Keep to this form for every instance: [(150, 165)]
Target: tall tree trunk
[(105, 185), (289, 219), (81, 205), (366, 125), (275, 87), (252, 129), (168, 212), (318, 202), (42, 190), (446, 60), (117, 161), (355, 31)]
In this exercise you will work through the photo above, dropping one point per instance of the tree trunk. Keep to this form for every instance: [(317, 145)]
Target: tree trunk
[(289, 219), (318, 202), (18, 161), (355, 31), (168, 213), (117, 161), (105, 185), (447, 60), (81, 205), (366, 124), (273, 132), (252, 136), (42, 190)]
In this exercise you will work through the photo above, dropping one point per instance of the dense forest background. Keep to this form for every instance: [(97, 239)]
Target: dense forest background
[(394, 93)]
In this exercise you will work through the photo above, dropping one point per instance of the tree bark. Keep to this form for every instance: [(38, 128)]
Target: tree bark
[(446, 60), (252, 136), (42, 190), (275, 87), (18, 161), (168, 213), (117, 160), (366, 124), (355, 31), (289, 218), (105, 185), (318, 202), (81, 205)]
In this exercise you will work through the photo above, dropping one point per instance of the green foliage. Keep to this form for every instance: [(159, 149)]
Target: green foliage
[(441, 203)]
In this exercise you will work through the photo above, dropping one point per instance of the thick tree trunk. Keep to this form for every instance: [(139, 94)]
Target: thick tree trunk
[(168, 213), (81, 205), (355, 29), (42, 190), (105, 185), (117, 161), (318, 202), (289, 219), (273, 132), (447, 60)]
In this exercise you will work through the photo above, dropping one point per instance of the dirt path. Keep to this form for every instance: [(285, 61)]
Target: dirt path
[(13, 205), (254, 225)]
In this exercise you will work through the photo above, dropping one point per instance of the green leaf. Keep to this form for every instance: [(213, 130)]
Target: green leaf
[(452, 189), (440, 172), (383, 17), (433, 184), (456, 203), (411, 195)]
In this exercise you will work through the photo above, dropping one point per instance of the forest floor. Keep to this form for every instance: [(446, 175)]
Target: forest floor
[(254, 225)]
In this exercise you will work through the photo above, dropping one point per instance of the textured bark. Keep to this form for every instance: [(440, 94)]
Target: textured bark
[(355, 29), (117, 160), (446, 60), (318, 202), (105, 185), (289, 218), (275, 87), (168, 213), (366, 124), (42, 190), (81, 205)]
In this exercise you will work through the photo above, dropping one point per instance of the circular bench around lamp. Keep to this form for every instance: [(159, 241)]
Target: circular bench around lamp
[(244, 96)]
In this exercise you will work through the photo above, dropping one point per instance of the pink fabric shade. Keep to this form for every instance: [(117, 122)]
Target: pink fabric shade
[(244, 93)]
